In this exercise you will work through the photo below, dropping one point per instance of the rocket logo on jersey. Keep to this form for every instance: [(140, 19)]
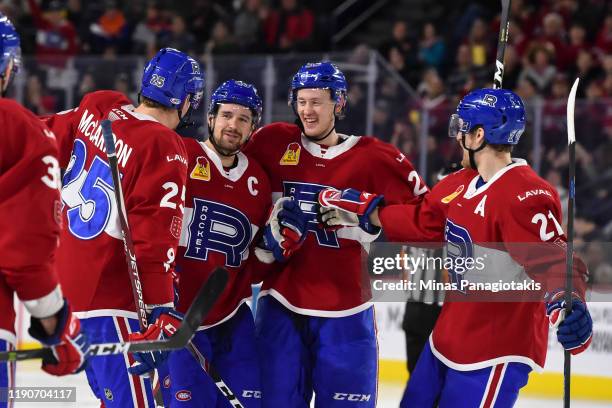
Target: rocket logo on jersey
[(306, 195), (201, 171), (459, 245), (291, 157), (219, 228), (453, 195)]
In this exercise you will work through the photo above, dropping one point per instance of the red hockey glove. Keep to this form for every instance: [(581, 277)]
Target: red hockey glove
[(68, 342), (165, 322), (348, 207)]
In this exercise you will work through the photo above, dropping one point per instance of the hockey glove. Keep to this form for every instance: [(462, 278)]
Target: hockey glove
[(68, 343), (348, 207), (163, 323), (574, 331), (285, 230)]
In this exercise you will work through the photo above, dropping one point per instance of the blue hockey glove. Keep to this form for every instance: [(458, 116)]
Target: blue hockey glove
[(348, 207), (574, 331), (285, 230), (163, 323)]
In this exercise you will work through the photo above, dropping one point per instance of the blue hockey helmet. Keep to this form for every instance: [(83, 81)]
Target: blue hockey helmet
[(322, 75), (10, 49), (170, 77), (500, 112), (240, 93)]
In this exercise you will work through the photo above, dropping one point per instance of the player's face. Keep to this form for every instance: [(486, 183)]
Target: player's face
[(316, 111), (465, 159), (232, 125), (471, 142)]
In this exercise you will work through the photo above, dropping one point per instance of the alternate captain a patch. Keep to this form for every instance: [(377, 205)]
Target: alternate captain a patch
[(201, 171), (292, 155)]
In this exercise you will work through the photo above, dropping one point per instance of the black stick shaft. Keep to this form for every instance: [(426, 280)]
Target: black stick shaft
[(130, 254), (504, 25), (567, 360)]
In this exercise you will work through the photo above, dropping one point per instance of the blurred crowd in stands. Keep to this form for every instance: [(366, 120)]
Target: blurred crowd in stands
[(551, 42)]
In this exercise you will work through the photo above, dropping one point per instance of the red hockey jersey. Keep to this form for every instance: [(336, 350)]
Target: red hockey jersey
[(153, 166), (327, 276), (514, 207), (29, 210), (224, 209)]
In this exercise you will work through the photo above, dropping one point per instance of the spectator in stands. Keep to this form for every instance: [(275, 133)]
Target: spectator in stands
[(37, 99), (289, 29), (398, 62), (577, 42), (539, 70), (248, 25), (595, 257), (110, 29), (586, 68), (404, 138), (431, 48), (604, 36), (479, 43), (401, 40), (607, 75), (221, 40), (56, 39), (464, 77), (147, 30), (383, 123), (87, 85), (512, 68), (178, 37), (203, 16), (553, 35), (553, 177), (435, 101), (553, 118), (517, 38)]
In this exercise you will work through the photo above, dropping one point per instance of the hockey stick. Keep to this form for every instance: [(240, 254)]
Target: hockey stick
[(504, 24), (109, 142), (202, 304), (571, 142), (128, 244)]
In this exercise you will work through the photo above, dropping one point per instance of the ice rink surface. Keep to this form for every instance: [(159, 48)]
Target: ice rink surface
[(390, 394)]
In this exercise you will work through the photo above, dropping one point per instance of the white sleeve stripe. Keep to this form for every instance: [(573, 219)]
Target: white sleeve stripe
[(47, 305)]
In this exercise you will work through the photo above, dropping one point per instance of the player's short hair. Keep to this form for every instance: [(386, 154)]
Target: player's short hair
[(150, 103), (502, 148)]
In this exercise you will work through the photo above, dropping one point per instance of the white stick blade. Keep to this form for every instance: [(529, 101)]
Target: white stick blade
[(571, 103)]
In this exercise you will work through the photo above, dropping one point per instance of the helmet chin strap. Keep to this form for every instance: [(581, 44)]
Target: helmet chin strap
[(472, 152), (185, 120)]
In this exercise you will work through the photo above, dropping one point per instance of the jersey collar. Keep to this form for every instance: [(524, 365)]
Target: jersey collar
[(472, 191), (235, 172), (331, 152), (140, 116)]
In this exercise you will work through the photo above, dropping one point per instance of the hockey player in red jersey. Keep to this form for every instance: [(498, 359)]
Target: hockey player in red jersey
[(30, 226), (481, 353), (315, 320), (153, 165), (227, 202)]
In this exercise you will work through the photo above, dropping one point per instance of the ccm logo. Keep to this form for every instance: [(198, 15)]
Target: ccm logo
[(251, 394), (340, 396), (183, 395)]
